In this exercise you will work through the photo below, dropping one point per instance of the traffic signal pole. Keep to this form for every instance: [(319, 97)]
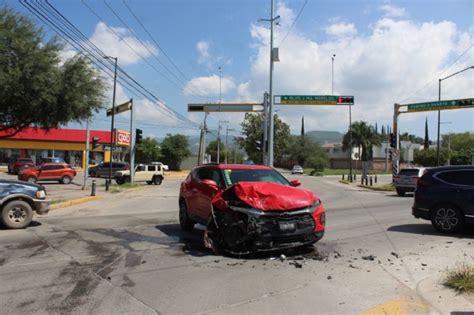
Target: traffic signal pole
[(86, 160), (395, 162), (132, 145)]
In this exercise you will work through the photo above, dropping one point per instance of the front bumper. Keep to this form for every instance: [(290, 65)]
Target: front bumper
[(41, 206)]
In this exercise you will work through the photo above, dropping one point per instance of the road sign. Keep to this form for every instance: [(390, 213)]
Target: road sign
[(120, 108), (122, 138), (395, 154), (227, 107), (314, 100), (441, 105)]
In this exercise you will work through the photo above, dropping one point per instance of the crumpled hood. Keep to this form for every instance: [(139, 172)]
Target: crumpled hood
[(268, 196)]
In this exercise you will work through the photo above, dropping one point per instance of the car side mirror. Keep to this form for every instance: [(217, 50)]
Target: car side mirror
[(295, 183), (210, 183)]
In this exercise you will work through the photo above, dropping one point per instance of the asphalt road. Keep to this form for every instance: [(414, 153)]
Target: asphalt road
[(125, 254)]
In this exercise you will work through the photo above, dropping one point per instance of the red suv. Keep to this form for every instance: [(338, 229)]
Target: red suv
[(249, 208), (61, 172), (18, 163)]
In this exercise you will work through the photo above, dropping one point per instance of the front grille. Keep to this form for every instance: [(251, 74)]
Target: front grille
[(304, 223)]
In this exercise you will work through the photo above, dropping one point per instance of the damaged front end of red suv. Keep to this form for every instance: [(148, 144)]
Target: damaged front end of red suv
[(251, 217)]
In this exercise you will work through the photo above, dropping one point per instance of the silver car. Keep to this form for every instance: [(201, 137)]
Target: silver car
[(297, 170), (406, 179)]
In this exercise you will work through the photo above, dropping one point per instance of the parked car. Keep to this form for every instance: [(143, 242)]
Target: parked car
[(19, 200), (102, 169), (151, 174), (164, 166), (62, 173), (52, 160), (249, 208), (19, 163), (297, 170), (405, 180), (445, 195)]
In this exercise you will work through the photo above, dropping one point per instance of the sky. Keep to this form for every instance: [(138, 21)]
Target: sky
[(386, 52)]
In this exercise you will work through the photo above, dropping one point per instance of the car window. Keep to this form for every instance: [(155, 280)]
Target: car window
[(140, 168), (461, 177), (58, 167), (151, 168), (409, 172), (251, 175), (210, 173), (47, 167)]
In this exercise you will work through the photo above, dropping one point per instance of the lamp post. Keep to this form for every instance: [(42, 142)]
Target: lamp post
[(112, 147), (332, 59), (439, 112), (220, 85)]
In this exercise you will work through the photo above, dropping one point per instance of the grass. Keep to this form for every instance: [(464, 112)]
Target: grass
[(55, 201), (338, 171), (117, 189), (461, 279)]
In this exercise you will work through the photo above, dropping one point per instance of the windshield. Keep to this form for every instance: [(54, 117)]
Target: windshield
[(248, 175)]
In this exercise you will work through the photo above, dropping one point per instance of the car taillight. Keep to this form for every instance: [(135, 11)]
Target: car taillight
[(422, 182)]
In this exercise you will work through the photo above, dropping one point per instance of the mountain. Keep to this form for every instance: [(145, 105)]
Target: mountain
[(323, 137)]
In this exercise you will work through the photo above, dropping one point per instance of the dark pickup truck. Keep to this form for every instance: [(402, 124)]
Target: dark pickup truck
[(18, 201)]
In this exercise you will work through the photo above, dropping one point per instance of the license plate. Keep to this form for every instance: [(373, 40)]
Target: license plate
[(287, 226)]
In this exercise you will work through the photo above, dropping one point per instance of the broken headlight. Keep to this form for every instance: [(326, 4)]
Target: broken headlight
[(249, 211)]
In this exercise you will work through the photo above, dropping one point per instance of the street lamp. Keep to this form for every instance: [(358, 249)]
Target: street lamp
[(439, 112), (109, 181), (332, 58), (220, 85)]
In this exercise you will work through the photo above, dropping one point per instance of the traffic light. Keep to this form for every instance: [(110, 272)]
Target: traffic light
[(138, 136), (393, 140), (258, 145), (345, 100), (95, 142)]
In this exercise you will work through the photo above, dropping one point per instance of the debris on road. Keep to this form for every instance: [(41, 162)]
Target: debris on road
[(395, 254), (329, 278), (296, 264), (282, 257), (369, 257)]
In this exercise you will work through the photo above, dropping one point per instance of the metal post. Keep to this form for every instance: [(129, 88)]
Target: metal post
[(86, 166), (93, 188), (350, 142), (201, 137), (395, 162), (220, 85), (226, 143), (333, 56), (265, 129), (204, 137), (439, 123), (132, 144), (218, 142), (112, 147), (270, 136)]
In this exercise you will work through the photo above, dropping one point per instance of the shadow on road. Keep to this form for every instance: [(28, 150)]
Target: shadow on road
[(192, 242), (407, 195), (427, 229), (32, 224)]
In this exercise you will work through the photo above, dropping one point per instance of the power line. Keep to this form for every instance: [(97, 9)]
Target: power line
[(439, 74), (66, 30), (294, 22)]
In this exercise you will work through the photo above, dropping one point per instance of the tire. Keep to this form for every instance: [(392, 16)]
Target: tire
[(157, 180), (31, 179), (92, 174), (120, 181), (149, 182), (447, 219), (400, 192), (66, 180), (185, 222), (17, 214)]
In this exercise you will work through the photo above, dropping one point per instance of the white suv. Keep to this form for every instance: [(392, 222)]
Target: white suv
[(151, 174), (405, 180)]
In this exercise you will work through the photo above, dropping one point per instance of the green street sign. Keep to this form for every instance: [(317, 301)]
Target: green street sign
[(313, 100), (441, 105)]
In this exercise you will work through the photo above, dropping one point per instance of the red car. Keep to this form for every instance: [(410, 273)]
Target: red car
[(19, 163), (61, 172), (249, 208)]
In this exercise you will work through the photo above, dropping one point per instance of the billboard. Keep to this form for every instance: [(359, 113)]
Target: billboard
[(122, 138)]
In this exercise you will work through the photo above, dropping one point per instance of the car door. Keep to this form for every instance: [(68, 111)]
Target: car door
[(57, 171), (45, 172), (141, 173), (206, 193), (464, 180)]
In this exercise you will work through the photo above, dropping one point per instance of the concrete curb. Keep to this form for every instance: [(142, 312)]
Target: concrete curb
[(73, 202), (444, 300)]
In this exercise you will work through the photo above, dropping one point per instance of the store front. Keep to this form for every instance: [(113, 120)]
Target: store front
[(69, 144)]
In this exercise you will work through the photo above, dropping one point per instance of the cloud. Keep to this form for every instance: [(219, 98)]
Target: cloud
[(127, 48), (390, 10), (387, 64), (202, 48), (209, 86), (341, 29)]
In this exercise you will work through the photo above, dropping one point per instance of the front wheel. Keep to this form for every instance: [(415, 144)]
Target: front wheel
[(447, 219), (185, 222), (17, 214), (157, 180), (120, 181)]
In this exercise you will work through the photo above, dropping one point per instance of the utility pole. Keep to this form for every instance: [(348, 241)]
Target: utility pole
[(220, 85), (273, 57), (86, 166), (332, 58), (204, 137), (219, 139), (132, 144), (112, 147), (265, 129), (226, 142)]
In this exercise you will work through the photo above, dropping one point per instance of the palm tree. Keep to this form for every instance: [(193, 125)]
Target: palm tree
[(363, 137)]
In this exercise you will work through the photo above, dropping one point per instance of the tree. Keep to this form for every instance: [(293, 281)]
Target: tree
[(409, 137), (426, 143), (428, 157), (174, 150), (307, 153), (376, 129), (363, 137), (212, 150), (148, 151), (36, 89), (252, 128), (383, 130)]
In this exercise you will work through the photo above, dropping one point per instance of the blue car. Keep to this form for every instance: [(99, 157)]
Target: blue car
[(445, 196)]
